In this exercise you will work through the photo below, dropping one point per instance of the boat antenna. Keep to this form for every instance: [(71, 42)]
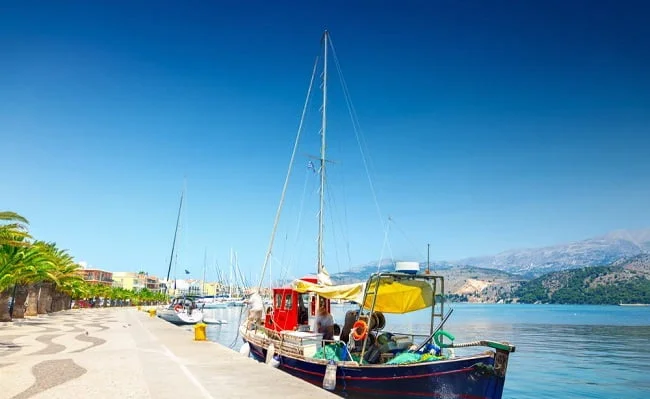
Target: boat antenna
[(428, 264), (322, 155), (171, 257)]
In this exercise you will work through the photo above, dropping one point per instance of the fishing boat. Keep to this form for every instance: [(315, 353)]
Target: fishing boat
[(182, 310), (361, 358), (366, 360)]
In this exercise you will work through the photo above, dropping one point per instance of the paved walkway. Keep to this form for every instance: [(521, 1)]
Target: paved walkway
[(123, 353)]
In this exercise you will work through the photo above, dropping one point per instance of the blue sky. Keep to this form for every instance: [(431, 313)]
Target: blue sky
[(489, 126)]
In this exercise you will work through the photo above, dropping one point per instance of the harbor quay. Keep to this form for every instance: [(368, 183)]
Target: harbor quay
[(125, 353)]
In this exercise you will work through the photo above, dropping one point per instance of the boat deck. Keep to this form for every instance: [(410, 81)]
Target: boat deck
[(123, 353)]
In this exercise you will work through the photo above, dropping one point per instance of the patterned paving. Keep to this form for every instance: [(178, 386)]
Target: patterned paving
[(39, 353), (51, 373), (85, 338)]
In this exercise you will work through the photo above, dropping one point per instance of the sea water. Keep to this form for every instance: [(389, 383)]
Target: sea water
[(563, 351)]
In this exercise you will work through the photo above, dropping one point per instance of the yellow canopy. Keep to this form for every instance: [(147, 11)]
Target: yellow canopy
[(346, 292), (399, 296), (395, 296)]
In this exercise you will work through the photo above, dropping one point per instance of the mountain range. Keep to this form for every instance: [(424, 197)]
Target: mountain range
[(597, 251), (533, 262)]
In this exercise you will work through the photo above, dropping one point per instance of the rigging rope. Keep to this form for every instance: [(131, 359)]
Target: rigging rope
[(356, 127), (299, 222), (383, 246), (406, 236), (286, 181)]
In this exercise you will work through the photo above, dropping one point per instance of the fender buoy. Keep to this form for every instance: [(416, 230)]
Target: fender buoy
[(245, 349), (178, 308), (359, 330)]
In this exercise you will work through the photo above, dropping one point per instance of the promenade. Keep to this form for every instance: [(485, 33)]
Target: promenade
[(124, 353)]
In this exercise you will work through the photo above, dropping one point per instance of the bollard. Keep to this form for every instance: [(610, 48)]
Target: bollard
[(139, 307), (152, 312), (199, 332)]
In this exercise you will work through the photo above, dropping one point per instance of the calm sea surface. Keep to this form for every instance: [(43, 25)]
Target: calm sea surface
[(563, 351)]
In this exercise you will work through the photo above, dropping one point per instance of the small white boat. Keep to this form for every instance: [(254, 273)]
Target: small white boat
[(210, 320), (236, 302), (210, 303), (213, 305), (181, 310)]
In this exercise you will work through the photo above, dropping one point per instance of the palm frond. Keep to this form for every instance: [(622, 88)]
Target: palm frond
[(13, 216)]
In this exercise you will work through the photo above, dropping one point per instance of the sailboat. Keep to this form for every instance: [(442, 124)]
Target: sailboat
[(182, 309), (363, 359)]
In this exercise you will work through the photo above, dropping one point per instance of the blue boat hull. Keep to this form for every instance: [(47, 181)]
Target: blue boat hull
[(469, 378)]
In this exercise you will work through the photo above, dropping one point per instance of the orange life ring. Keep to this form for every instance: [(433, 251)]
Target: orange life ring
[(178, 308), (359, 330)]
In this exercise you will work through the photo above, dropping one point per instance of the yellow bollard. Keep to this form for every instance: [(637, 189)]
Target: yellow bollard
[(139, 307), (152, 312), (199, 332)]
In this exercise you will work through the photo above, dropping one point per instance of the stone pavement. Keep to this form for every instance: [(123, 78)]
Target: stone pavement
[(123, 353)]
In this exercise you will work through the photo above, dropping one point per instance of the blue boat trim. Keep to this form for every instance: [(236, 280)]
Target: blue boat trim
[(462, 378)]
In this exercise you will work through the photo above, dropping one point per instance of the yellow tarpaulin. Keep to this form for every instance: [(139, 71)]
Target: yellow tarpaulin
[(399, 296), (395, 296), (346, 292)]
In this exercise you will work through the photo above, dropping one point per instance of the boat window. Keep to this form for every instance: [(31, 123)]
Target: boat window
[(303, 299), (278, 301), (288, 299)]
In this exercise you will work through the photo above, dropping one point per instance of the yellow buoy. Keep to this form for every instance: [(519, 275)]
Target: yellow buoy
[(199, 332)]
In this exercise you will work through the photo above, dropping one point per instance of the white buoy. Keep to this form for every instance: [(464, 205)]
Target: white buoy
[(270, 351), (245, 349), (450, 353), (275, 362), (329, 380)]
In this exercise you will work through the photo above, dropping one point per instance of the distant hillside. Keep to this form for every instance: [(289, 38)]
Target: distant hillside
[(462, 283), (624, 281), (496, 278), (591, 252)]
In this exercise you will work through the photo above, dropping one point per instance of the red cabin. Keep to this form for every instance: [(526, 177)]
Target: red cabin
[(292, 310)]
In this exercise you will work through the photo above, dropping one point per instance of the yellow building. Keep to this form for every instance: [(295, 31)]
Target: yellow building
[(212, 289), (133, 281)]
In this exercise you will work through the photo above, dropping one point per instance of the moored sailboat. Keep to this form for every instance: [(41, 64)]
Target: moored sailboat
[(182, 309)]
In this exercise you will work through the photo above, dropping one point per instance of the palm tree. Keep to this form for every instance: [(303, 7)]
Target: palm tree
[(23, 267), (13, 229), (70, 286), (64, 268), (37, 273)]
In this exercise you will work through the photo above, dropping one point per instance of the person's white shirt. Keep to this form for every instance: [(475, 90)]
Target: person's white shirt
[(255, 302)]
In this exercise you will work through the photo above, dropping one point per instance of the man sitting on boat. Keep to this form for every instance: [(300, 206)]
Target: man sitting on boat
[(256, 305)]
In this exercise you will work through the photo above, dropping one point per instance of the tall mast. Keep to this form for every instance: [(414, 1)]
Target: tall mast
[(230, 278), (171, 257), (205, 265), (322, 156)]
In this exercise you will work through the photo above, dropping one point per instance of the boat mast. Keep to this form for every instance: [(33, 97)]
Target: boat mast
[(230, 277), (171, 257), (322, 156), (205, 265)]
